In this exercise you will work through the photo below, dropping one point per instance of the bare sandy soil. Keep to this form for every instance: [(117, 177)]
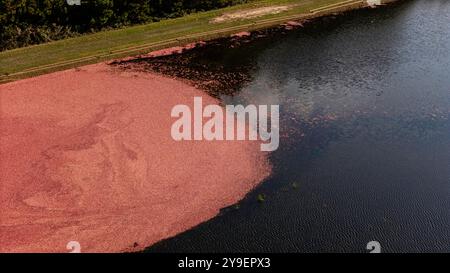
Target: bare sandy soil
[(251, 13), (87, 156)]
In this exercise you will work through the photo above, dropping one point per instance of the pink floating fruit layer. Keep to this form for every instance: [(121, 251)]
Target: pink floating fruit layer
[(87, 156)]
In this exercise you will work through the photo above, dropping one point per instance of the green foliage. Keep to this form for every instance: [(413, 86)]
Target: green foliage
[(261, 198), (24, 22)]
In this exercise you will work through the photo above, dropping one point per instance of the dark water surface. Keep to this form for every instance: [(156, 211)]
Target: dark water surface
[(365, 135)]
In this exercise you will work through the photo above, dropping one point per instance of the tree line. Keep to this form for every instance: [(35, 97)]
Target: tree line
[(26, 22)]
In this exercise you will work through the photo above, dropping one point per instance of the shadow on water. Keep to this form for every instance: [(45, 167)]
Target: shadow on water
[(365, 124)]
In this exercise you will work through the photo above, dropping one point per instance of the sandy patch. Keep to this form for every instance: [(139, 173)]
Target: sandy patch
[(87, 156), (251, 13)]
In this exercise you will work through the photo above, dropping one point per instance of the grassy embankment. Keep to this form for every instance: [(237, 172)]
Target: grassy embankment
[(40, 59)]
